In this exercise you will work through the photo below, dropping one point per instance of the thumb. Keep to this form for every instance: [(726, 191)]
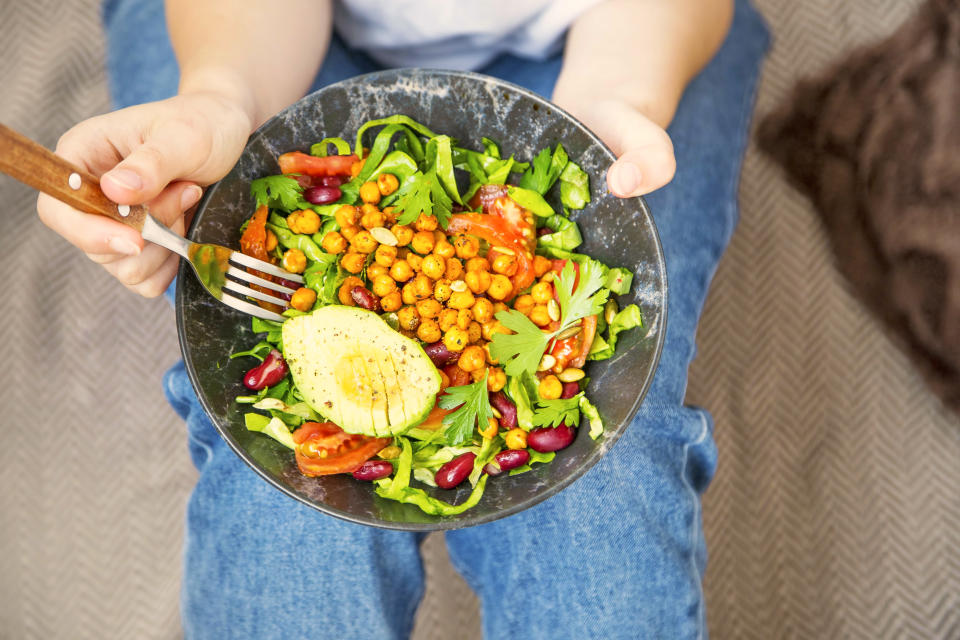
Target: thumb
[(645, 159), (168, 153)]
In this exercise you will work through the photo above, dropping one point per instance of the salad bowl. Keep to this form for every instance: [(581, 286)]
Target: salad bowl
[(466, 106)]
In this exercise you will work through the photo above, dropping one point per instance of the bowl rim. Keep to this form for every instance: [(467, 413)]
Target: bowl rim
[(464, 520)]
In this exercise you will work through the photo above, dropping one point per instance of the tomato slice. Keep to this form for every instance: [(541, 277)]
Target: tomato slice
[(434, 419), (497, 232), (299, 162), (324, 449)]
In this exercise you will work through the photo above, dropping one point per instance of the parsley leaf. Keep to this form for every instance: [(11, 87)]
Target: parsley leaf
[(589, 296), (424, 194), (278, 192), (521, 350), (550, 413), (545, 170), (474, 403)]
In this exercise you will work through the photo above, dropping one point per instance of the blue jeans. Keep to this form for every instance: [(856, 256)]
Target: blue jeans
[(618, 554)]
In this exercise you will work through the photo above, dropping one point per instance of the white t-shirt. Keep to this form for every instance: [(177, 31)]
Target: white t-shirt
[(455, 34)]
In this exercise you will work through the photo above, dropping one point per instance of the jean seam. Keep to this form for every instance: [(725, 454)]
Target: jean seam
[(697, 515)]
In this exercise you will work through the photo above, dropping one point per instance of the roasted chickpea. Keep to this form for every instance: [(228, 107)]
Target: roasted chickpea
[(447, 319), (496, 379), (422, 287), (425, 222), (304, 221), (454, 269), (271, 242), (429, 308), (402, 233), (415, 261), (371, 219), (477, 374), (455, 339), (389, 215), (408, 318), (433, 266), (504, 263), (550, 388), (429, 331), (500, 306), (490, 358), (383, 284), (439, 236), (422, 242), (387, 183), (465, 246), (492, 428), (500, 287), (303, 299), (343, 294), (370, 192), (442, 290), (294, 261), (374, 270), (539, 315), (334, 242), (400, 270), (444, 249), (391, 301), (474, 332), (516, 438), (490, 329), (347, 215), (385, 255), (478, 263), (349, 232), (478, 281), (472, 359), (482, 310), (356, 168), (353, 262), (524, 304), (363, 242), (407, 294), (461, 300), (541, 292), (541, 265), (464, 318)]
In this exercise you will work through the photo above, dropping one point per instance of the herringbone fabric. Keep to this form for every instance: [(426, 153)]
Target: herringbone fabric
[(835, 511)]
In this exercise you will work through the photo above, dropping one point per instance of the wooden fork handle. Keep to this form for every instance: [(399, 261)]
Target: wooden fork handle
[(40, 168)]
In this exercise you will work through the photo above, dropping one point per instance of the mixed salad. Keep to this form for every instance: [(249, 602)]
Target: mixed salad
[(442, 330)]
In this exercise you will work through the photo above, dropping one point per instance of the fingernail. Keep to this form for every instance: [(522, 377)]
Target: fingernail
[(124, 246), (190, 196), (124, 178), (626, 178)]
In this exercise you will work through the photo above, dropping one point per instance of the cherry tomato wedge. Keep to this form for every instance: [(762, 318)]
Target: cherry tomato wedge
[(253, 242), (299, 162), (323, 448)]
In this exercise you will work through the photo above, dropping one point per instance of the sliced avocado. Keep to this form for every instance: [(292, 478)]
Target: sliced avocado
[(359, 373)]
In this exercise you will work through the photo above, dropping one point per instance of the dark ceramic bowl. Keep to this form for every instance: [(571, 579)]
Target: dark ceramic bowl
[(465, 106)]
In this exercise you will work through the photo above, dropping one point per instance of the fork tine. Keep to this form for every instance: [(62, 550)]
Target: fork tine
[(236, 287), (240, 274), (264, 267), (250, 308)]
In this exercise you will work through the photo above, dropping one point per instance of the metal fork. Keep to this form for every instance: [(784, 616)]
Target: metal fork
[(218, 268)]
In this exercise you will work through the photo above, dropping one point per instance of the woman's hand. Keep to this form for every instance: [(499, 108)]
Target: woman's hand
[(645, 160), (158, 154)]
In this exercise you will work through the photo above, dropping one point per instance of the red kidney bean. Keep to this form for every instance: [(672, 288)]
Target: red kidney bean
[(373, 470), (364, 298), (570, 389), (492, 469), (440, 355), (321, 195), (268, 373), (544, 231), (331, 181), (512, 458), (547, 439), (507, 409), (289, 283), (456, 471)]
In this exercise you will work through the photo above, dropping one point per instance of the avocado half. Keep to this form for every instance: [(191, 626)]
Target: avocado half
[(355, 370)]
